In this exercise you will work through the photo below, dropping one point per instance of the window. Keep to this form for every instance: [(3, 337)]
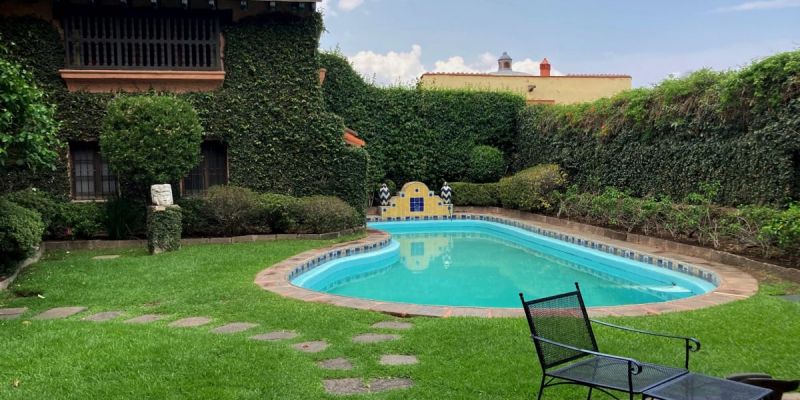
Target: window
[(417, 204), (141, 39), (91, 178), (213, 169)]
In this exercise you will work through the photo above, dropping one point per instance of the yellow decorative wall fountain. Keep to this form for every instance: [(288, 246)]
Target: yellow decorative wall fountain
[(415, 202)]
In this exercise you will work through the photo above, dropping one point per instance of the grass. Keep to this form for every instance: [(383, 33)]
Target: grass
[(459, 357)]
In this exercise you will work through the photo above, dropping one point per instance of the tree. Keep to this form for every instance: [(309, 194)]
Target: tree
[(151, 139), (28, 127)]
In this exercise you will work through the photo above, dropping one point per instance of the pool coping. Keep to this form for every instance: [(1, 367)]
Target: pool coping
[(732, 283)]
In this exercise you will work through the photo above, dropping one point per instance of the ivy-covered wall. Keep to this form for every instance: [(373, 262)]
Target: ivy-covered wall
[(740, 129), (415, 134), (270, 110)]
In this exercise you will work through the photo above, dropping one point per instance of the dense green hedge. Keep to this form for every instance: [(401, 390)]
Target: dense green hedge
[(413, 134), (740, 129), (270, 110), (163, 230), (20, 232), (476, 194)]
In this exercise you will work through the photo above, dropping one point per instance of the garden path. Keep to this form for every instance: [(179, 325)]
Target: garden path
[(339, 386)]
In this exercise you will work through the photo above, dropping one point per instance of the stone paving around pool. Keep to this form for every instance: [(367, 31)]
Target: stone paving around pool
[(733, 284), (338, 386)]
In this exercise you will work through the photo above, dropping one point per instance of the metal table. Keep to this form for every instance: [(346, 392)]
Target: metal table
[(700, 387)]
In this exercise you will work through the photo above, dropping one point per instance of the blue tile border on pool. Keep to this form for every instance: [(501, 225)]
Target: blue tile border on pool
[(646, 258)]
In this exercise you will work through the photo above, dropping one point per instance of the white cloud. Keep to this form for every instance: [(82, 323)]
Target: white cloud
[(349, 5), (390, 68), (760, 5), (453, 64)]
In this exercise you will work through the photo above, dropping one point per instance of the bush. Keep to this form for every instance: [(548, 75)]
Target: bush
[(784, 229), (234, 208), (532, 189), (125, 218), (81, 220), (42, 202), (151, 139), (476, 194), (276, 212), (163, 230), (486, 164), (197, 219), (322, 214), (21, 231)]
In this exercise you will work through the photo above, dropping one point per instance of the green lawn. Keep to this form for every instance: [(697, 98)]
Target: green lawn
[(460, 358)]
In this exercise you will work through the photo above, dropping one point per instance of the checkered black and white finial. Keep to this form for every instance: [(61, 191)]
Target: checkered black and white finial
[(384, 195), (446, 193)]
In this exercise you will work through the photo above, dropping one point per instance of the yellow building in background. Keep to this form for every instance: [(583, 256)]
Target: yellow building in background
[(544, 88)]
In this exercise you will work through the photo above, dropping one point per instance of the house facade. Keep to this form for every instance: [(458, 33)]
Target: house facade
[(544, 88), (245, 65)]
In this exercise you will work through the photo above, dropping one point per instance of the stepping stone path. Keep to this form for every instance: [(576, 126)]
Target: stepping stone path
[(190, 322), (12, 313), (146, 319), (375, 338), (234, 327), (339, 364), (392, 325), (59, 313), (396, 359), (311, 347), (348, 386), (108, 257), (277, 335), (103, 316)]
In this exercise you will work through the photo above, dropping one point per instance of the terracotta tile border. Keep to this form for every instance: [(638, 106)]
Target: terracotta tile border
[(732, 284)]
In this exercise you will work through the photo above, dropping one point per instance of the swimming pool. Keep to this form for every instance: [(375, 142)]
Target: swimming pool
[(477, 263)]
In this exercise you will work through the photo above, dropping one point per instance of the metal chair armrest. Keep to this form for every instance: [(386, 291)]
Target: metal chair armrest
[(635, 367), (694, 341)]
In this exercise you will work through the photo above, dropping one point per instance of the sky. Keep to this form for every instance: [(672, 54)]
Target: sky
[(395, 41)]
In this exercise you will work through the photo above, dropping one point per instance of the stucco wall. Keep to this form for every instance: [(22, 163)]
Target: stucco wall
[(555, 89)]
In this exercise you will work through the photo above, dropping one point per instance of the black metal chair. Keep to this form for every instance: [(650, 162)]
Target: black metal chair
[(562, 333)]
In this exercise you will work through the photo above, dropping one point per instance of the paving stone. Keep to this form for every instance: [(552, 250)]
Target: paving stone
[(12, 313), (277, 335), (344, 386), (382, 385), (60, 312), (234, 327), (336, 364), (108, 257), (397, 359), (103, 316), (311, 347), (392, 325), (190, 322), (146, 319), (792, 297), (375, 338)]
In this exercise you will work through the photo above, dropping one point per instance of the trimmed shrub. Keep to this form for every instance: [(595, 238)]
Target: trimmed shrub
[(151, 139), (42, 202), (476, 194), (81, 220), (235, 209), (276, 212), (197, 218), (21, 231), (163, 230), (486, 164), (125, 218), (532, 189), (322, 214)]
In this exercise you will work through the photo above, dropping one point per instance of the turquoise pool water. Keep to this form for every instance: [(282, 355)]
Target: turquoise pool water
[(486, 264)]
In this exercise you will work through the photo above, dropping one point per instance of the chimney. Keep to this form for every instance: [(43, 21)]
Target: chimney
[(544, 68)]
